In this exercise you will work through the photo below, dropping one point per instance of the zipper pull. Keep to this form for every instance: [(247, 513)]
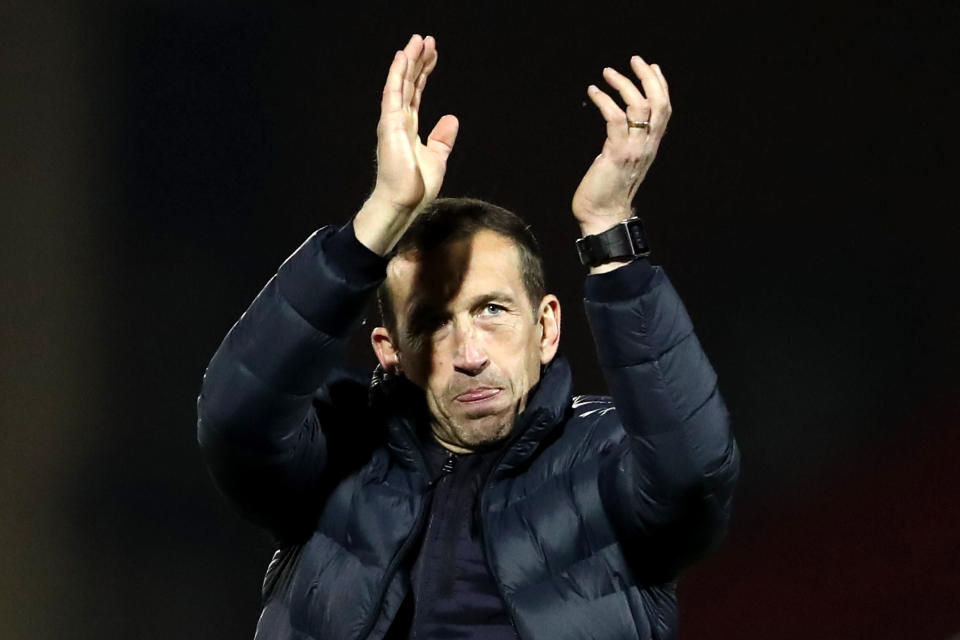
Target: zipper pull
[(448, 465)]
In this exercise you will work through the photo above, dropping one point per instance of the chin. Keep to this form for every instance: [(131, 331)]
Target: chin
[(483, 436)]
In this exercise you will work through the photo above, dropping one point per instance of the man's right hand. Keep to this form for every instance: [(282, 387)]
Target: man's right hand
[(409, 173)]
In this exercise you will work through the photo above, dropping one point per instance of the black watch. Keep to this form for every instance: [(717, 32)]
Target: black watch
[(625, 241)]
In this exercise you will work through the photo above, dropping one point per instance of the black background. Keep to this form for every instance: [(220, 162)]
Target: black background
[(160, 160)]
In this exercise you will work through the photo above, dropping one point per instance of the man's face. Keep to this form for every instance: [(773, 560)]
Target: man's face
[(468, 335)]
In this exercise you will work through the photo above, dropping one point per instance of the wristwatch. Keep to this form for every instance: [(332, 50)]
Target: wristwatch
[(625, 241)]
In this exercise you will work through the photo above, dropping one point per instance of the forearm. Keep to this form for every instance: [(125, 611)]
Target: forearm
[(656, 369), (279, 352)]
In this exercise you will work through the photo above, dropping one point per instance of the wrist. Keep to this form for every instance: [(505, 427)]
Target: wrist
[(592, 225), (614, 247), (380, 223)]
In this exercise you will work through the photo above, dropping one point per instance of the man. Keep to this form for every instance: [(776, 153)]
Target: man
[(470, 496)]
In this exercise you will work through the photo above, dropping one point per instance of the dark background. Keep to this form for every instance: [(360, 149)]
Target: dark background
[(160, 159)]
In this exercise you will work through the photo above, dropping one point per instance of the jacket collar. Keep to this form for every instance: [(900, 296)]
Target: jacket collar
[(401, 404), (546, 407)]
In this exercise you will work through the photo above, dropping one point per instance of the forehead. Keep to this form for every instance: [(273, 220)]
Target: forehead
[(458, 271)]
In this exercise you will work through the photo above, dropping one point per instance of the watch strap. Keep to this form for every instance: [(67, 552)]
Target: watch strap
[(626, 240)]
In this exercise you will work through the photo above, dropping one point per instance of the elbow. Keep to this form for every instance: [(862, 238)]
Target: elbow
[(676, 518), (703, 518)]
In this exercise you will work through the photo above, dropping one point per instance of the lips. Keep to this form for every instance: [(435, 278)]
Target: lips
[(477, 394)]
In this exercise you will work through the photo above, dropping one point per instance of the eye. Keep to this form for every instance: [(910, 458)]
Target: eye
[(492, 309), (427, 322), (436, 324)]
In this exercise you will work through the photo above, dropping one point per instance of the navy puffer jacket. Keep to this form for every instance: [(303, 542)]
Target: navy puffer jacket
[(594, 507)]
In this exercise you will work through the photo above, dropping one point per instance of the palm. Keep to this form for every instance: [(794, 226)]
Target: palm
[(409, 173)]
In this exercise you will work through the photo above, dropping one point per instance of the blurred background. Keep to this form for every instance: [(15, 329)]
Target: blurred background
[(160, 159)]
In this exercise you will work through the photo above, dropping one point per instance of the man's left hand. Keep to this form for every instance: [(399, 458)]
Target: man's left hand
[(606, 191)]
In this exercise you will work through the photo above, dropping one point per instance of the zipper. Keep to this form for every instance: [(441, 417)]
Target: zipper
[(486, 539), (448, 466)]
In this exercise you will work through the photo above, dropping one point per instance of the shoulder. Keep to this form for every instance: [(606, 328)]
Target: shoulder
[(591, 428)]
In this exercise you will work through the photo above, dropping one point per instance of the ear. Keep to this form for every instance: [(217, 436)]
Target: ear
[(549, 320), (387, 352)]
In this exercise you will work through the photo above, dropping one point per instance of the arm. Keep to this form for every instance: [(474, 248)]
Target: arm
[(668, 489), (276, 373), (272, 400)]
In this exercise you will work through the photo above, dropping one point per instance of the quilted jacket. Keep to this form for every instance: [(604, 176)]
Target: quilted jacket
[(594, 508)]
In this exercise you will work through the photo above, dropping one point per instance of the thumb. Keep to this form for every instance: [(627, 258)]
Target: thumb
[(444, 135)]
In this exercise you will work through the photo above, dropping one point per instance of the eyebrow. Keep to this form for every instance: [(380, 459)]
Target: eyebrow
[(490, 297), (423, 311)]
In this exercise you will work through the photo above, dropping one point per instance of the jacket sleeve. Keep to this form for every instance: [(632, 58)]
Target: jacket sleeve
[(273, 398), (669, 487)]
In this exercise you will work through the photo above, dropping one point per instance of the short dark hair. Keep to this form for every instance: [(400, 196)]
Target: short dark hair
[(447, 220)]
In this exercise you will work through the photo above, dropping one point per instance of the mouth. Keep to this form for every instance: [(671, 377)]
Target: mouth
[(477, 395)]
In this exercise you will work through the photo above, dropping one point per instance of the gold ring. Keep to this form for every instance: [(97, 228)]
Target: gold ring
[(638, 124)]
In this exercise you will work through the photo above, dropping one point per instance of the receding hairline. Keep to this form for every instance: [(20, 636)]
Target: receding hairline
[(448, 220), (411, 256)]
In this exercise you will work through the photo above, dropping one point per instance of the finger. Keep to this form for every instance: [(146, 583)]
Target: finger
[(392, 99), (429, 63), (413, 51), (429, 55), (611, 112), (444, 135), (663, 80), (637, 106), (657, 97), (418, 92)]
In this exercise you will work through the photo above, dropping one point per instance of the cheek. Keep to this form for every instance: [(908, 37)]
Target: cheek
[(533, 361), (417, 366), (435, 370), (520, 358)]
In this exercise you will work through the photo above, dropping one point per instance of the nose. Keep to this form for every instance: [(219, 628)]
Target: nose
[(469, 355)]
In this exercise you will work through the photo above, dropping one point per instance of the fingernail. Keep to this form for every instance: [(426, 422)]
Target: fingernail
[(640, 59)]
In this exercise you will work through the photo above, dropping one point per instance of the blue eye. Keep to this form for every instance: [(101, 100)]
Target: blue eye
[(493, 309)]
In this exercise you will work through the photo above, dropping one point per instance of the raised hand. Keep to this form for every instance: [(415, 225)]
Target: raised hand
[(409, 173), (633, 136)]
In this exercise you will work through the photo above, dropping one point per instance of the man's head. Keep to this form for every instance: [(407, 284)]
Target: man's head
[(466, 318)]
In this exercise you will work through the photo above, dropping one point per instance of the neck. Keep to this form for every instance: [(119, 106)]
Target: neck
[(449, 446)]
